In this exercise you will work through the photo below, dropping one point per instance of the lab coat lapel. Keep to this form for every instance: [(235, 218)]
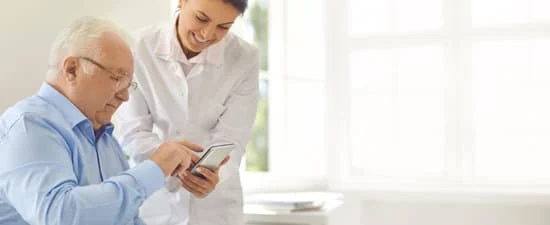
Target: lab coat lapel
[(196, 71), (174, 74), (171, 50), (179, 76)]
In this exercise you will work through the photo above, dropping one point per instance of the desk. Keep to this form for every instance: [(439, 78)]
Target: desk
[(326, 216)]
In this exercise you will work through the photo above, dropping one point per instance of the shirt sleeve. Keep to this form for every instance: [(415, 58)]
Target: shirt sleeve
[(235, 124), (40, 182)]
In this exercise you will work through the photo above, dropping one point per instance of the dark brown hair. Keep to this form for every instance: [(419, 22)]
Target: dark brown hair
[(238, 4)]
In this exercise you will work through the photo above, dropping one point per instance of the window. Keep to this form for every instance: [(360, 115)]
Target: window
[(257, 149), (256, 23), (290, 124), (510, 85), (397, 108), (440, 92)]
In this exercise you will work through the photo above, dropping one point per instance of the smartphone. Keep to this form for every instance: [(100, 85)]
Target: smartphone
[(212, 157)]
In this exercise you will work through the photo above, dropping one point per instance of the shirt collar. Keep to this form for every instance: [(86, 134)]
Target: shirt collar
[(168, 48), (107, 128), (71, 113)]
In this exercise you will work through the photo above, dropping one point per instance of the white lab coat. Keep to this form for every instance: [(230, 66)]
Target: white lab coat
[(215, 102)]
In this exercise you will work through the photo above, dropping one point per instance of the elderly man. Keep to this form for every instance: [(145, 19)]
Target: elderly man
[(59, 163)]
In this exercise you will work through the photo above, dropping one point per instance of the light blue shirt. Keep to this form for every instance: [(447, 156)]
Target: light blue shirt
[(53, 169)]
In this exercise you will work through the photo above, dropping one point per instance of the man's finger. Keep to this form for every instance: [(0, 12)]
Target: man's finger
[(185, 160), (177, 170), (192, 146), (194, 158)]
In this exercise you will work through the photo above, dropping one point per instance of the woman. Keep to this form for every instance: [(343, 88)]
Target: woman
[(196, 82)]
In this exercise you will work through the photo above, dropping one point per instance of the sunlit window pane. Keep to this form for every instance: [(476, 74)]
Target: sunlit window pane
[(372, 71), (258, 145), (389, 16), (305, 126), (304, 36), (397, 111), (497, 12), (418, 15), (511, 108), (540, 10), (254, 28), (370, 16)]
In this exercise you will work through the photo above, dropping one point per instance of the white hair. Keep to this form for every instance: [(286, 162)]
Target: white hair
[(78, 39)]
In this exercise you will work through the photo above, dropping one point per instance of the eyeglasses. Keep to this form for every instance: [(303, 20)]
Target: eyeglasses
[(122, 81)]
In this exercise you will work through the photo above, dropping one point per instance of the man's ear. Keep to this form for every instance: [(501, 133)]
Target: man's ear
[(70, 68)]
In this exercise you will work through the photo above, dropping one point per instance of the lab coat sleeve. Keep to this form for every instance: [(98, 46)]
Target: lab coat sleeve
[(235, 124), (135, 124)]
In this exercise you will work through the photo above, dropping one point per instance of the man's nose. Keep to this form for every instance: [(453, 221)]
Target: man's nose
[(123, 95)]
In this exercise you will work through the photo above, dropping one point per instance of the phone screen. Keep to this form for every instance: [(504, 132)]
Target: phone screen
[(213, 157)]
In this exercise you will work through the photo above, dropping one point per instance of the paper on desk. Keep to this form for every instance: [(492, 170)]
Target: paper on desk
[(292, 200)]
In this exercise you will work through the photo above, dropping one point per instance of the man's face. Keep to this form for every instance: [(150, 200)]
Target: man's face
[(107, 87)]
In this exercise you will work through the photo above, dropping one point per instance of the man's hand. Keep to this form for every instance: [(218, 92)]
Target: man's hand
[(170, 156), (201, 187)]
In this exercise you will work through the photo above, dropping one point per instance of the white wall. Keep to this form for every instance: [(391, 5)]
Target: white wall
[(415, 213), (361, 209), (29, 26)]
